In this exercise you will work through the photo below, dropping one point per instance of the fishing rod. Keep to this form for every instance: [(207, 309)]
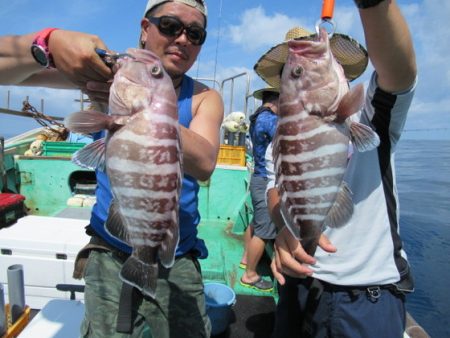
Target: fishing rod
[(326, 18)]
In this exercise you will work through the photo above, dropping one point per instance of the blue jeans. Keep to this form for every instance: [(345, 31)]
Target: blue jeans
[(308, 308)]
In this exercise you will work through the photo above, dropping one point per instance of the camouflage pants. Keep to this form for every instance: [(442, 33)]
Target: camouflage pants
[(178, 309)]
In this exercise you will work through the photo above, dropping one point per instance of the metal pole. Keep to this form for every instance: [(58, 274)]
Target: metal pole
[(16, 291), (8, 98), (42, 105), (3, 324)]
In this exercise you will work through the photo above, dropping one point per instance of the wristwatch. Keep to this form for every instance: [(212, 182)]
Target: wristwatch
[(39, 48)]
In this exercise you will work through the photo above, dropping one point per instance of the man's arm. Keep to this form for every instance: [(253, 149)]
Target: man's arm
[(201, 141), (389, 45), (73, 53)]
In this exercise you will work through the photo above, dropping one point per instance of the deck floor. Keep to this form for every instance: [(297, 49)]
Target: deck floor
[(253, 317)]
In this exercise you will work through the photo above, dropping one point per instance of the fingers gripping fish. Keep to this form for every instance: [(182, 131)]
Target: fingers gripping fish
[(311, 143), (143, 162)]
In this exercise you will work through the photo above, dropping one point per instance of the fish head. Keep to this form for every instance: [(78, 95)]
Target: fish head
[(137, 81), (312, 79)]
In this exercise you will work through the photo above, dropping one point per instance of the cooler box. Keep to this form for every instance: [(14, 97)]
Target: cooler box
[(61, 148), (11, 208), (46, 247)]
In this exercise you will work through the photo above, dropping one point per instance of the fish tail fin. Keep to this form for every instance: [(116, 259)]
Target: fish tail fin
[(87, 121), (92, 156), (342, 209), (363, 137), (166, 251), (351, 103), (141, 271), (115, 224), (309, 244)]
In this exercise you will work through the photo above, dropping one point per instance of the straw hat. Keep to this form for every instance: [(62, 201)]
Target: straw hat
[(258, 94), (348, 52)]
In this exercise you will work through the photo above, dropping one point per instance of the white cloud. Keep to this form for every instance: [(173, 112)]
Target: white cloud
[(257, 29)]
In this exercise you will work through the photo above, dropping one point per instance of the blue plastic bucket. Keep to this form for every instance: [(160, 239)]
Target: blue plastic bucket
[(219, 300)]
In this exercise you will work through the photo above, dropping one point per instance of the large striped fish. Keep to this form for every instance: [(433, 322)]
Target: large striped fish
[(143, 163), (311, 143)]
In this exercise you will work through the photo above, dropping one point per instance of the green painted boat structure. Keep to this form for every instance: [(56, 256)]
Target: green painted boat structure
[(225, 207)]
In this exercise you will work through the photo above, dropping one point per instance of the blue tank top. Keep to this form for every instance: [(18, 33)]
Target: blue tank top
[(188, 213)]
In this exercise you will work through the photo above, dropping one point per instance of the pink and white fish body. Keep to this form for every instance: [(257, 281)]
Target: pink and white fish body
[(143, 160), (311, 143)]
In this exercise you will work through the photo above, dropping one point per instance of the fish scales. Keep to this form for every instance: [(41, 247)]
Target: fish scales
[(144, 169), (143, 161), (310, 147)]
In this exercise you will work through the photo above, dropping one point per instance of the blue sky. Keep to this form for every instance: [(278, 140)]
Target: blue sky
[(239, 32)]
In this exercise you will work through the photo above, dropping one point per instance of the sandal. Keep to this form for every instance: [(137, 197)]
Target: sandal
[(260, 285)]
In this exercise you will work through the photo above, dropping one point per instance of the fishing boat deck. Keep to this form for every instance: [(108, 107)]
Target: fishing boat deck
[(225, 207)]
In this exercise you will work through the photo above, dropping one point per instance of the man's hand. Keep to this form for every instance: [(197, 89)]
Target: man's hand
[(75, 57), (291, 259)]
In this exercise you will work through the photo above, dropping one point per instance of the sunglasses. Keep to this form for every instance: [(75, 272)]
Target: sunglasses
[(173, 27)]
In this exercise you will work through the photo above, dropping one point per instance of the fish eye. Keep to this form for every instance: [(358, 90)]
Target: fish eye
[(156, 71), (297, 71)]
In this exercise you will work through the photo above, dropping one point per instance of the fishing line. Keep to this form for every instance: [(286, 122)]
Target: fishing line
[(217, 43)]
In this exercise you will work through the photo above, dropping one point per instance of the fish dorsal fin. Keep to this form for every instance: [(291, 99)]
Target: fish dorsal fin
[(342, 209), (363, 137), (115, 225), (351, 103), (92, 156)]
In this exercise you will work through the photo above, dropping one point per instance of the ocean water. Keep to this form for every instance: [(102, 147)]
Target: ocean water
[(423, 177)]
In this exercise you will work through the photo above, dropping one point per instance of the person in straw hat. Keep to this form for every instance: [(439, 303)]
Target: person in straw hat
[(262, 129), (355, 285), (347, 51)]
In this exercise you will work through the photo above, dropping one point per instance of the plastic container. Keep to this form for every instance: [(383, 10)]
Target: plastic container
[(61, 148), (219, 301), (231, 155), (11, 208)]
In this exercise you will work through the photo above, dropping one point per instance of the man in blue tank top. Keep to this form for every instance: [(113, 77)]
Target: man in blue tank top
[(179, 304), (174, 30)]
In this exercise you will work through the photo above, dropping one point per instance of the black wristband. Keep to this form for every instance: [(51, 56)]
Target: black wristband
[(367, 3)]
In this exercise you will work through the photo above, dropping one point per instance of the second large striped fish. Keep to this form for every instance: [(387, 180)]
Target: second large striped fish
[(310, 146), (143, 162)]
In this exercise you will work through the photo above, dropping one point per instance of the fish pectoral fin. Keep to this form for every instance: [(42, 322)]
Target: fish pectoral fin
[(115, 224), (87, 121), (141, 274), (92, 156), (351, 103), (342, 209), (363, 137)]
